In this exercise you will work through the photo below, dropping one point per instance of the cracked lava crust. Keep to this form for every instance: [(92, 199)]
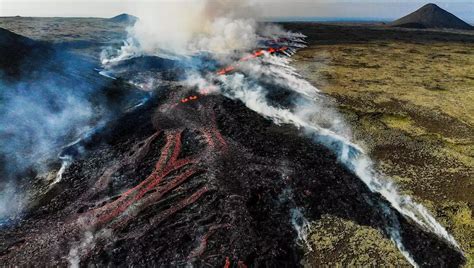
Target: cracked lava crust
[(198, 179)]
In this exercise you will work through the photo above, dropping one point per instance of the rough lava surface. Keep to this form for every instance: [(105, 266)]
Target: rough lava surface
[(192, 178), (207, 182)]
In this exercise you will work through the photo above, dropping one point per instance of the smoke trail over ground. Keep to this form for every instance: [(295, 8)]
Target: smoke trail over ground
[(41, 109), (38, 118), (255, 97), (322, 122), (52, 100)]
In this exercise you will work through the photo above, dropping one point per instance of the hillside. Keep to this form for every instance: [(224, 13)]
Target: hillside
[(124, 18), (431, 16)]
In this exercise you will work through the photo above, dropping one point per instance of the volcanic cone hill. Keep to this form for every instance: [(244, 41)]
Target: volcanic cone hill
[(431, 16), (124, 18)]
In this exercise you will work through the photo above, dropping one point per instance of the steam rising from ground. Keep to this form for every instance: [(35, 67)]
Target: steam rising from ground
[(214, 28), (311, 112), (185, 28), (42, 109), (11, 203), (36, 119)]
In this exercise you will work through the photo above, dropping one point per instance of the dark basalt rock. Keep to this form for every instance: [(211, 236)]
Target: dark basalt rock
[(15, 49), (244, 215)]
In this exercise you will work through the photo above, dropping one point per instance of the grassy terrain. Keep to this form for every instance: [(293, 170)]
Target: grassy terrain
[(409, 98), (340, 242)]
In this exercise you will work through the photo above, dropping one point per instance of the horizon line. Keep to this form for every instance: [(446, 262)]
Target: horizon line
[(265, 19)]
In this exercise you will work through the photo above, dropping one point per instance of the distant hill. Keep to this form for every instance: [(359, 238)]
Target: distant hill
[(20, 53), (124, 18), (431, 16), (27, 59)]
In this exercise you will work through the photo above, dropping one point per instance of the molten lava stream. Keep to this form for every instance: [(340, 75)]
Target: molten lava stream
[(211, 133), (140, 151), (254, 55), (165, 165), (199, 250), (154, 187)]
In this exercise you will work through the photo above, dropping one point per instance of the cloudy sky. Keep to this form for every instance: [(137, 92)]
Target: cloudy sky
[(387, 9)]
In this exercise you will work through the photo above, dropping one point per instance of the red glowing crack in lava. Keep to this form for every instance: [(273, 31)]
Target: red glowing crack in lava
[(231, 68), (256, 54), (154, 187), (170, 171)]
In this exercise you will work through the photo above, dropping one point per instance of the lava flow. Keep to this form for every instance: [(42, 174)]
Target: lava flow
[(170, 190), (231, 68), (254, 55), (170, 171)]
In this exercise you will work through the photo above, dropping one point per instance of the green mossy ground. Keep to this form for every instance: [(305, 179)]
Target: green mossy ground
[(342, 243), (411, 104)]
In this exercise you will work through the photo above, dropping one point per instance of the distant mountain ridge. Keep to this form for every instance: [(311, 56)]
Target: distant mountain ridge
[(124, 18), (431, 16)]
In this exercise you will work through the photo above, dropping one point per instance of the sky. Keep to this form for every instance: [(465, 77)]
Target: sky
[(362, 9)]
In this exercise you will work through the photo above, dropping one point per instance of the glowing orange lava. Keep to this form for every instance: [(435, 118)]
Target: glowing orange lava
[(170, 171), (256, 54), (228, 69), (190, 98)]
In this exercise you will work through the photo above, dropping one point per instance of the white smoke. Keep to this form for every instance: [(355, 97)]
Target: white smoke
[(11, 203), (176, 29), (66, 161), (86, 243), (335, 136), (363, 168), (301, 225)]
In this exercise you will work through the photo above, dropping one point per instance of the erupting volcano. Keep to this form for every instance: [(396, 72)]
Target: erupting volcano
[(224, 160)]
